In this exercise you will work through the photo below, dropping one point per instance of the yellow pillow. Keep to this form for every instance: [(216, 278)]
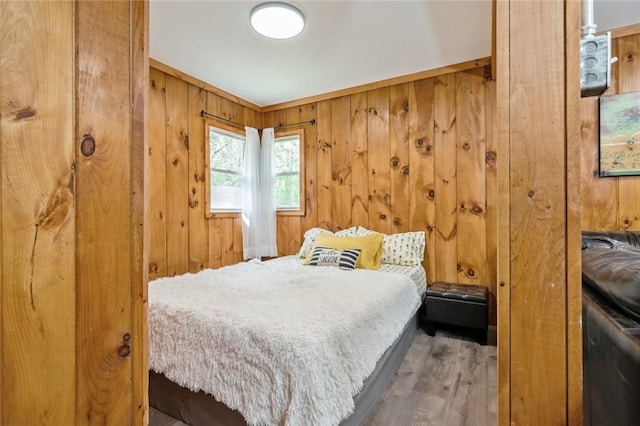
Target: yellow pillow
[(370, 246)]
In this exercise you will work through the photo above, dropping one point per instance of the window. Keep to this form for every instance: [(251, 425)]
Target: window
[(287, 155), (226, 153), (226, 157)]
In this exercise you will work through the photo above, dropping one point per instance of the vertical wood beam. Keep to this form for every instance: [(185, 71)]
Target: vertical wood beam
[(539, 303), (573, 218), (503, 76), (37, 214), (140, 211), (104, 238)]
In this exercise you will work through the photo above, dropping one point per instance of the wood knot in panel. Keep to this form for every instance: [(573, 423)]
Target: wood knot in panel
[(154, 84), (124, 351), (471, 273), (477, 209), (153, 267), (193, 204), (431, 194), (419, 142), (87, 145), (463, 207), (126, 337), (25, 113), (630, 57), (395, 162), (428, 148), (405, 170), (175, 162), (466, 146), (397, 221), (429, 228), (383, 216), (490, 158)]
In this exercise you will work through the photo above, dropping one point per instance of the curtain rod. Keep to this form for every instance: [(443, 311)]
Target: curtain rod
[(204, 113)]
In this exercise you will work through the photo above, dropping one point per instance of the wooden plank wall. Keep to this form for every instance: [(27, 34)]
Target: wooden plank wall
[(410, 156), (72, 213), (182, 238), (610, 203)]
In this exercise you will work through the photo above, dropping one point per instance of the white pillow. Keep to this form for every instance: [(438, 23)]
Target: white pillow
[(405, 249), (312, 234)]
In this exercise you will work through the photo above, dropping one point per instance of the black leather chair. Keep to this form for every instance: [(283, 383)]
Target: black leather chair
[(611, 327)]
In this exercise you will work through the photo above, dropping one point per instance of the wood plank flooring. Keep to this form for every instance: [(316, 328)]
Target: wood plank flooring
[(447, 379)]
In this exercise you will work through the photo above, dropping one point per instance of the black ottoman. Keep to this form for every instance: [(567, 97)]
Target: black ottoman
[(457, 304)]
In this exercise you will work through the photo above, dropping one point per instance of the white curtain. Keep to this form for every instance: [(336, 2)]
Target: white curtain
[(268, 243), (259, 196), (251, 196)]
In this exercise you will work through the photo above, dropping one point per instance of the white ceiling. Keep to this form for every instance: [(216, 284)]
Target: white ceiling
[(344, 43)]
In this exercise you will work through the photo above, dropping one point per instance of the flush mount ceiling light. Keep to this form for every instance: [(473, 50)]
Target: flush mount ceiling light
[(277, 20)]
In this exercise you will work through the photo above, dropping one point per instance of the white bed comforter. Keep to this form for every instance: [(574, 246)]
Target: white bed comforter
[(283, 345)]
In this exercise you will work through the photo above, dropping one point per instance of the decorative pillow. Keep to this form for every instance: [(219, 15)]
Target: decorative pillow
[(343, 259), (311, 235), (405, 249), (370, 247)]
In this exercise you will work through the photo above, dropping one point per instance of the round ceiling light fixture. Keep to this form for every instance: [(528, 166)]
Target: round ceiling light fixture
[(277, 20)]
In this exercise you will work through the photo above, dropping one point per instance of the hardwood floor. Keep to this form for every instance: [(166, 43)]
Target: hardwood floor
[(448, 379)]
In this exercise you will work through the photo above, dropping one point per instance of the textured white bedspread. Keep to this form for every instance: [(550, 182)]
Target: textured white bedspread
[(282, 344)]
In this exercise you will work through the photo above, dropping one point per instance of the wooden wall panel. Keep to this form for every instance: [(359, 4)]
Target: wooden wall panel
[(182, 237), (157, 175), (310, 218), (399, 151), (445, 178), (379, 161), (177, 166), (629, 81), (491, 211), (197, 177), (422, 206), (359, 160), (324, 158), (72, 212), (341, 162), (103, 196), (471, 178), (37, 214)]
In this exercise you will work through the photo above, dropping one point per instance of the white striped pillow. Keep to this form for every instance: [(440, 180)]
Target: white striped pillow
[(343, 259)]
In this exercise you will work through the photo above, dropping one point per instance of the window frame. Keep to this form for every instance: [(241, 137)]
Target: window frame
[(241, 132), (236, 131), (303, 199)]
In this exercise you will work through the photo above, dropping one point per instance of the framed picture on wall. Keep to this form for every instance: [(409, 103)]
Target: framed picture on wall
[(620, 134)]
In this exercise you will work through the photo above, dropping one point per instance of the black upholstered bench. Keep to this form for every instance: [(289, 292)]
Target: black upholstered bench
[(457, 304)]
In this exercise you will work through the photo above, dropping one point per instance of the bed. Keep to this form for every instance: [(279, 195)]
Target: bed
[(279, 342)]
